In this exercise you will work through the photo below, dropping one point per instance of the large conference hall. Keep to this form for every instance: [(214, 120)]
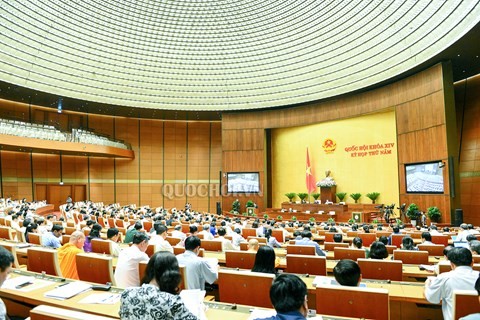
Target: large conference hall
[(164, 103)]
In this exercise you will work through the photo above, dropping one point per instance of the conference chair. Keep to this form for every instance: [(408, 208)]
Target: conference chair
[(8, 223), (101, 221), (440, 239), (352, 234), (381, 269), (65, 239), (111, 222), (390, 249), (44, 312), (6, 233), (465, 302), (298, 249), (119, 223), (43, 260), (411, 256), (13, 250), (211, 245), (243, 246), (348, 253), (383, 233), (307, 264), (101, 246), (397, 240), (416, 234), (476, 258), (70, 224), (147, 225), (322, 232), (2, 221), (150, 250), (329, 246), (247, 288), (278, 234), (240, 259), (433, 249), (249, 232), (173, 240), (35, 238), (95, 268), (367, 238), (329, 236), (86, 232), (186, 228), (354, 302)]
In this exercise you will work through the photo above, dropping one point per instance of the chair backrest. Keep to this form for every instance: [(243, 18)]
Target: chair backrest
[(6, 233), (65, 239), (35, 238), (416, 234), (211, 245), (240, 259), (465, 302), (367, 238), (329, 246), (433, 249), (147, 225), (329, 236), (101, 221), (119, 223), (278, 234), (111, 223), (390, 249), (13, 250), (2, 221), (8, 222), (348, 253), (259, 239), (249, 232), (95, 268), (352, 234), (307, 264), (43, 260), (476, 258), (383, 233), (101, 246), (244, 246), (397, 240), (440, 239), (173, 240), (299, 249), (185, 228), (248, 288), (44, 312), (411, 256), (180, 250), (150, 250), (381, 269), (355, 302), (444, 267)]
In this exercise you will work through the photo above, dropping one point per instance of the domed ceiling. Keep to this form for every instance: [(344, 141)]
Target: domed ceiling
[(220, 54)]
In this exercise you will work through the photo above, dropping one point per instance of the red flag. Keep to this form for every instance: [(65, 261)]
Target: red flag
[(310, 179)]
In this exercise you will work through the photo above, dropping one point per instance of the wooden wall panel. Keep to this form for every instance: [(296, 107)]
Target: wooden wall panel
[(467, 101)]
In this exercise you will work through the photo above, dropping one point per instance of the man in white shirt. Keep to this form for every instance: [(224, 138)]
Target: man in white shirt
[(198, 270), (159, 239), (177, 233), (207, 235), (226, 244), (112, 235), (126, 273), (462, 277)]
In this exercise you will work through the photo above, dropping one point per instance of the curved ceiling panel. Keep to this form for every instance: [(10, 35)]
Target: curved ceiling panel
[(220, 54)]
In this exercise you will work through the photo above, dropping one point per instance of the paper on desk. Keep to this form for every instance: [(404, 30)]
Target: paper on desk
[(319, 280), (193, 300), (428, 267), (260, 314), (101, 298), (69, 290), (212, 262)]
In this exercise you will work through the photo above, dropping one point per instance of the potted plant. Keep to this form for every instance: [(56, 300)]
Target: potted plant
[(302, 196), (351, 221), (375, 221), (316, 195), (235, 206), (373, 196), (355, 196), (279, 218), (250, 204), (294, 218), (265, 216), (290, 196), (434, 214), (331, 220), (413, 213), (341, 195), (312, 219)]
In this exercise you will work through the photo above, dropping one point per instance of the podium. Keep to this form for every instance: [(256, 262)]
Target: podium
[(328, 193)]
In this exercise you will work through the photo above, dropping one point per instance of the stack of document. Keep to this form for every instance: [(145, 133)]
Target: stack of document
[(69, 290)]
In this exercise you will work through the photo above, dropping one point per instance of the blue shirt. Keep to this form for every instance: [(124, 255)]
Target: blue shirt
[(308, 242), (49, 240), (293, 315)]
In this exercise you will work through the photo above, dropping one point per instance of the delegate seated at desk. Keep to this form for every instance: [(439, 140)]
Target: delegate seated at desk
[(307, 241), (6, 262)]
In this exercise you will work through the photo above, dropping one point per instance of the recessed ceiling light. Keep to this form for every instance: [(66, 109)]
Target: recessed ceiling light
[(458, 55)]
